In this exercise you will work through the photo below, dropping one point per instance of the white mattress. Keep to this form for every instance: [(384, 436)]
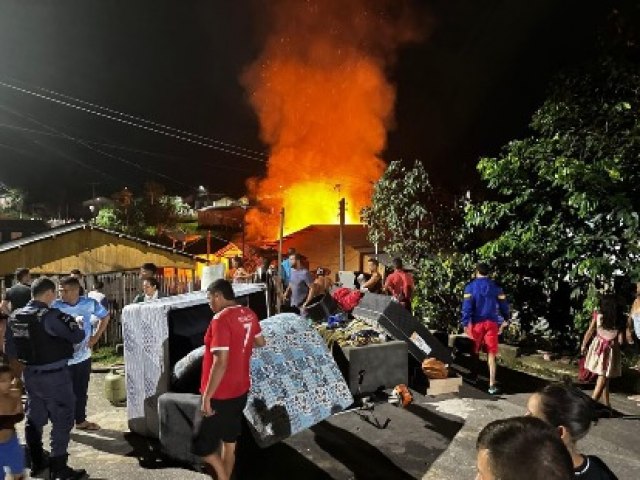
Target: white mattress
[(145, 331)]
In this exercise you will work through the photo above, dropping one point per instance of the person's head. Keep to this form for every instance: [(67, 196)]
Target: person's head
[(220, 295), (397, 263), (69, 290), (522, 448), (23, 275), (609, 311), (482, 269), (236, 262), (75, 273), (373, 265), (291, 251), (294, 260), (148, 270), (150, 286), (6, 377), (44, 290), (565, 408), (99, 285)]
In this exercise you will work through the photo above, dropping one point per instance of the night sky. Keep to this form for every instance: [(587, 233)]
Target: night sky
[(462, 93)]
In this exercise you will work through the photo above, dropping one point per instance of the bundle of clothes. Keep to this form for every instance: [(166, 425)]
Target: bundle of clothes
[(350, 333)]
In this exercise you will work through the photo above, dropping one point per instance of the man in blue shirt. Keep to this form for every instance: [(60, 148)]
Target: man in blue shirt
[(83, 309), (484, 311), (39, 344), (300, 283), (286, 267)]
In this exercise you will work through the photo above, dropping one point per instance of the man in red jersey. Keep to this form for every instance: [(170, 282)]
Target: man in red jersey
[(225, 381)]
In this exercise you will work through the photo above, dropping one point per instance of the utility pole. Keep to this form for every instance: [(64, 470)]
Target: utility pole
[(341, 205), (280, 246), (93, 189)]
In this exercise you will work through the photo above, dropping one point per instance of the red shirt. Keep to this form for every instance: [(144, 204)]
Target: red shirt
[(401, 285), (233, 329)]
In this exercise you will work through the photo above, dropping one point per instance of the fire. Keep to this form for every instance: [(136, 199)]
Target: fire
[(324, 105)]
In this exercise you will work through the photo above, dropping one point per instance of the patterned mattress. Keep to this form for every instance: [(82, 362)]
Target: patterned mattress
[(295, 381)]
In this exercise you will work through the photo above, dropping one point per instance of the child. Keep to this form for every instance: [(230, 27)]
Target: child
[(603, 356), (11, 412), (571, 413)]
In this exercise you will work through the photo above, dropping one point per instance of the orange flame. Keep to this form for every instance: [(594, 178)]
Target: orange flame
[(324, 106)]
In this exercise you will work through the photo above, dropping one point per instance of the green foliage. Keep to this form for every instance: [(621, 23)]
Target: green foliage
[(407, 215), (409, 218), (567, 198)]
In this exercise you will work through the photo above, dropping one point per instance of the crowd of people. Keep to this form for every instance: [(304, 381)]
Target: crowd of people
[(47, 334), (52, 329)]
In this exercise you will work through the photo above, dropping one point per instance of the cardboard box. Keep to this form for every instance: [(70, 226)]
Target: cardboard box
[(445, 385)]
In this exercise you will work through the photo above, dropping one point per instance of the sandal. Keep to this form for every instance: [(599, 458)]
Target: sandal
[(89, 426)]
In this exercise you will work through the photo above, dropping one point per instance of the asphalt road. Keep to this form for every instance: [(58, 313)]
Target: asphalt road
[(433, 439)]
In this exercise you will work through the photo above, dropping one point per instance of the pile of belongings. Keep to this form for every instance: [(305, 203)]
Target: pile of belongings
[(347, 298), (353, 334)]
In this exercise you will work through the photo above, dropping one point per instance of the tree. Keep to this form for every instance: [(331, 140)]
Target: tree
[(407, 213), (567, 197), (410, 218)]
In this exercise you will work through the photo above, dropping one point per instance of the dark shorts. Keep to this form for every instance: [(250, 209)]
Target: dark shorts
[(224, 425)]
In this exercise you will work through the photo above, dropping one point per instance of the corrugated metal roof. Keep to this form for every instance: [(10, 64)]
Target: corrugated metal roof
[(72, 227)]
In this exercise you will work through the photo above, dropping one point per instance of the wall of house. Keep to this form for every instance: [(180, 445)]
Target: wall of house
[(321, 246), (91, 251)]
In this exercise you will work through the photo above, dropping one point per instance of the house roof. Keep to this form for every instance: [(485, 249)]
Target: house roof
[(74, 227), (357, 233)]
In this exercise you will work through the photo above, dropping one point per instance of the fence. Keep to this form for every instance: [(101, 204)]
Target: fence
[(120, 288)]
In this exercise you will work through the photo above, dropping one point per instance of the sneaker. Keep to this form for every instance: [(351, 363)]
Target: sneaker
[(493, 390), (67, 473)]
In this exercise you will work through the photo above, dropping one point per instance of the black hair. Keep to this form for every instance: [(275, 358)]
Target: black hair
[(397, 263), (75, 271), (238, 260), (70, 282), (153, 281), (98, 284), (374, 261), (291, 251), (609, 311), (42, 285), (21, 273), (223, 287), (483, 269), (150, 267), (525, 448), (564, 405), (5, 369)]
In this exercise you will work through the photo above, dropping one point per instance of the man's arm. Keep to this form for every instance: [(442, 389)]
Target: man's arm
[(503, 304), (215, 377), (64, 326), (259, 340), (11, 353), (372, 281), (5, 306), (467, 307), (102, 326), (103, 314)]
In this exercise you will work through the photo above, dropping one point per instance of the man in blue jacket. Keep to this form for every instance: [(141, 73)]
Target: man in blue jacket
[(484, 312)]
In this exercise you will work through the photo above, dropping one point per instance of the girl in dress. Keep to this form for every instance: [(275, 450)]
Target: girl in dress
[(603, 355)]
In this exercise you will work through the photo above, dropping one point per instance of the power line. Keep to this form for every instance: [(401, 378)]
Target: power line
[(94, 149), (127, 148), (183, 135)]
